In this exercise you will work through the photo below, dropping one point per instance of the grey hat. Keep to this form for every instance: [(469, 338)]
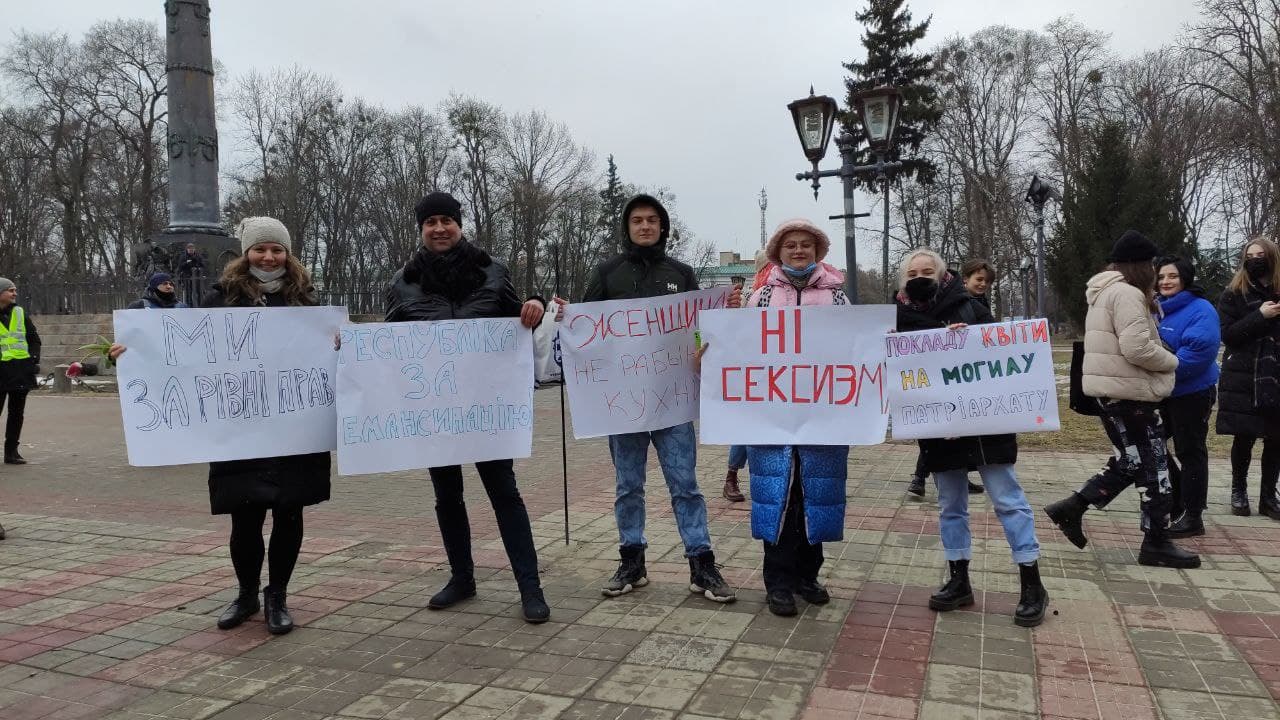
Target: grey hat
[(5, 284)]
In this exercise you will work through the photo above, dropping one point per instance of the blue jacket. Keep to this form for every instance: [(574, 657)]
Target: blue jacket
[(823, 470), (1190, 328)]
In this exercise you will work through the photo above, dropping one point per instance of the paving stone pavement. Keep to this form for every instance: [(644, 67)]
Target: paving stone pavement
[(111, 578)]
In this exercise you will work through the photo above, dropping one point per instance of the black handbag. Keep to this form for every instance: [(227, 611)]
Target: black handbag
[(1081, 403)]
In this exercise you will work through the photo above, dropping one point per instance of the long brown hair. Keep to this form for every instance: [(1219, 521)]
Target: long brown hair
[(1240, 281), (239, 284), (1142, 275)]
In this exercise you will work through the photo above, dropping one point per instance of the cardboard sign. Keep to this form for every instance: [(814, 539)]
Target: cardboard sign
[(795, 375), (627, 363), (200, 385), (979, 380), (428, 394)]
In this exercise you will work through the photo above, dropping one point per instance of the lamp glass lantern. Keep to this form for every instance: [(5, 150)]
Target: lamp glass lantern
[(814, 118), (878, 110)]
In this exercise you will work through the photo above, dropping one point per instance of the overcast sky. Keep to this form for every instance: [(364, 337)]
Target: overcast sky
[(691, 95)]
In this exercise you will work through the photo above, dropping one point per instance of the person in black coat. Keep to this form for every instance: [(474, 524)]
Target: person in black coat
[(160, 294), (1249, 386), (449, 278), (266, 275), (19, 366), (931, 297)]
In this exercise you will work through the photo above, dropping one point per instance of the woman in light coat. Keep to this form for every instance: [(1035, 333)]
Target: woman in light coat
[(1130, 372)]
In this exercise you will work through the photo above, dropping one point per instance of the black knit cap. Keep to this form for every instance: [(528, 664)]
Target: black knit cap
[(1133, 246), (438, 203)]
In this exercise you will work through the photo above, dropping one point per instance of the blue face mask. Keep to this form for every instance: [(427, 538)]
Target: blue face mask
[(801, 272)]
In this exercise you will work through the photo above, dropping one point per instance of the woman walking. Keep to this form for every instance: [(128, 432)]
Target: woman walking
[(266, 275), (929, 296), (1190, 330), (1250, 384), (1130, 372)]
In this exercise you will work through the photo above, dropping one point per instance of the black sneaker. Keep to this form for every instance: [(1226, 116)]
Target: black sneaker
[(782, 603), (813, 592), (917, 486), (705, 578), (534, 607), (630, 574), (457, 590)]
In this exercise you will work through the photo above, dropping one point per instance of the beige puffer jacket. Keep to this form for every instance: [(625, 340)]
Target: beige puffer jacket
[(1123, 356)]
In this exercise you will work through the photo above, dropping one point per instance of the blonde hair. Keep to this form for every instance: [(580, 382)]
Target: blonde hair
[(940, 265), (1240, 281)]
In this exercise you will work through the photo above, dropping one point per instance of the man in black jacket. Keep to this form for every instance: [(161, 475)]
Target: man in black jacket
[(449, 278), (644, 270)]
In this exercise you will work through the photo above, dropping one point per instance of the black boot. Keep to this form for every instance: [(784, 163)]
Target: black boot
[(1034, 599), (630, 573), (1158, 551), (1188, 524), (1068, 515), (957, 592), (534, 607), (11, 457), (917, 486), (240, 609), (976, 489), (782, 603), (705, 578), (1269, 501), (277, 613), (1240, 496), (813, 592), (459, 588)]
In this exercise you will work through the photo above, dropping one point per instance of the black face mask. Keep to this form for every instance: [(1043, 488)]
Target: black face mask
[(166, 296), (1258, 268), (921, 289)]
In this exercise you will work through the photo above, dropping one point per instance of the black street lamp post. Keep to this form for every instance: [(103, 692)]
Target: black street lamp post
[(1039, 193), (814, 119)]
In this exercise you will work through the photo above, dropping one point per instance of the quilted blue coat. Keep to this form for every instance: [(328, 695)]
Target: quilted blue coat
[(823, 470)]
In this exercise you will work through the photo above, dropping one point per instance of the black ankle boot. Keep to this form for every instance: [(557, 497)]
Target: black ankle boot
[(11, 457), (533, 604), (1068, 515), (1188, 525), (1269, 501), (273, 607), (1158, 551), (957, 592), (240, 609), (1240, 497), (781, 602), (459, 588), (1034, 599)]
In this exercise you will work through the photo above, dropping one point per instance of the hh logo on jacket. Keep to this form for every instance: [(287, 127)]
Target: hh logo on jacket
[(672, 287)]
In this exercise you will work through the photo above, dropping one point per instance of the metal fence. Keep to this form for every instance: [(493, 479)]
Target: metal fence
[(103, 295)]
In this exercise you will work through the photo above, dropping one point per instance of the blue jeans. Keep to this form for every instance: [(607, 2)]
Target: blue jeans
[(737, 457), (678, 455), (1010, 504)]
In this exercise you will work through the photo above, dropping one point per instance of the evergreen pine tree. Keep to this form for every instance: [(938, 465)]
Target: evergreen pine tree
[(613, 198), (888, 39), (1152, 207)]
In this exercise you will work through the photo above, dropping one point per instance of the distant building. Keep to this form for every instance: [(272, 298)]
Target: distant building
[(732, 269)]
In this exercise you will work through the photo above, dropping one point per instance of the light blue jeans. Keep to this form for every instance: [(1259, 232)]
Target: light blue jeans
[(737, 457), (678, 456), (1007, 498)]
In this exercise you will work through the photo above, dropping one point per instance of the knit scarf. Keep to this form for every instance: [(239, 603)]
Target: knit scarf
[(454, 273)]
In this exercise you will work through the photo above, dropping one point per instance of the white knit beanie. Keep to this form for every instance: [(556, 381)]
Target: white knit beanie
[(255, 230)]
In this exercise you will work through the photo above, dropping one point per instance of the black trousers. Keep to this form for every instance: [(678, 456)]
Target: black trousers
[(792, 558), (247, 547), (921, 470), (17, 400), (1137, 433), (513, 520), (1186, 421), (1242, 457)]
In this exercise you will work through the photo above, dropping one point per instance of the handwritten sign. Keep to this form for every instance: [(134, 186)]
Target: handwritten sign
[(428, 394), (979, 380), (807, 375), (627, 363), (228, 383)]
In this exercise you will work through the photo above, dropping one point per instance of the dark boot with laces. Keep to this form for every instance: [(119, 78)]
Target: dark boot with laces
[(630, 574), (242, 608), (279, 621), (732, 492), (1240, 497), (916, 487), (1034, 599), (459, 588), (1269, 500), (957, 593), (705, 578), (813, 592)]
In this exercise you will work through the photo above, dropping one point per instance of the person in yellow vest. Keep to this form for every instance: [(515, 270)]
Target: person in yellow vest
[(19, 364)]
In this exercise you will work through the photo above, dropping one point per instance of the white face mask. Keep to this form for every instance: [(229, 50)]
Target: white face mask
[(267, 276)]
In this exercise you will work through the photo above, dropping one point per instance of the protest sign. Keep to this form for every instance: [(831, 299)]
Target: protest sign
[(627, 363), (428, 394), (978, 380), (795, 375), (200, 385)]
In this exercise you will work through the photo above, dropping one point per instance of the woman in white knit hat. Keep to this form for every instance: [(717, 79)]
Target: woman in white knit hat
[(266, 275)]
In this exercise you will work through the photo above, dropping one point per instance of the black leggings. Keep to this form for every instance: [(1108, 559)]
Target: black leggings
[(247, 548), (1242, 456)]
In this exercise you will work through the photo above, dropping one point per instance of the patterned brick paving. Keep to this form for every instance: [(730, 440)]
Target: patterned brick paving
[(112, 576)]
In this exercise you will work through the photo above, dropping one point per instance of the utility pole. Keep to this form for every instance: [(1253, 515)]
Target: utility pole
[(764, 205)]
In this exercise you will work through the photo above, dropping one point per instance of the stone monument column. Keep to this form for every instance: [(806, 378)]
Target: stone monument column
[(194, 207)]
